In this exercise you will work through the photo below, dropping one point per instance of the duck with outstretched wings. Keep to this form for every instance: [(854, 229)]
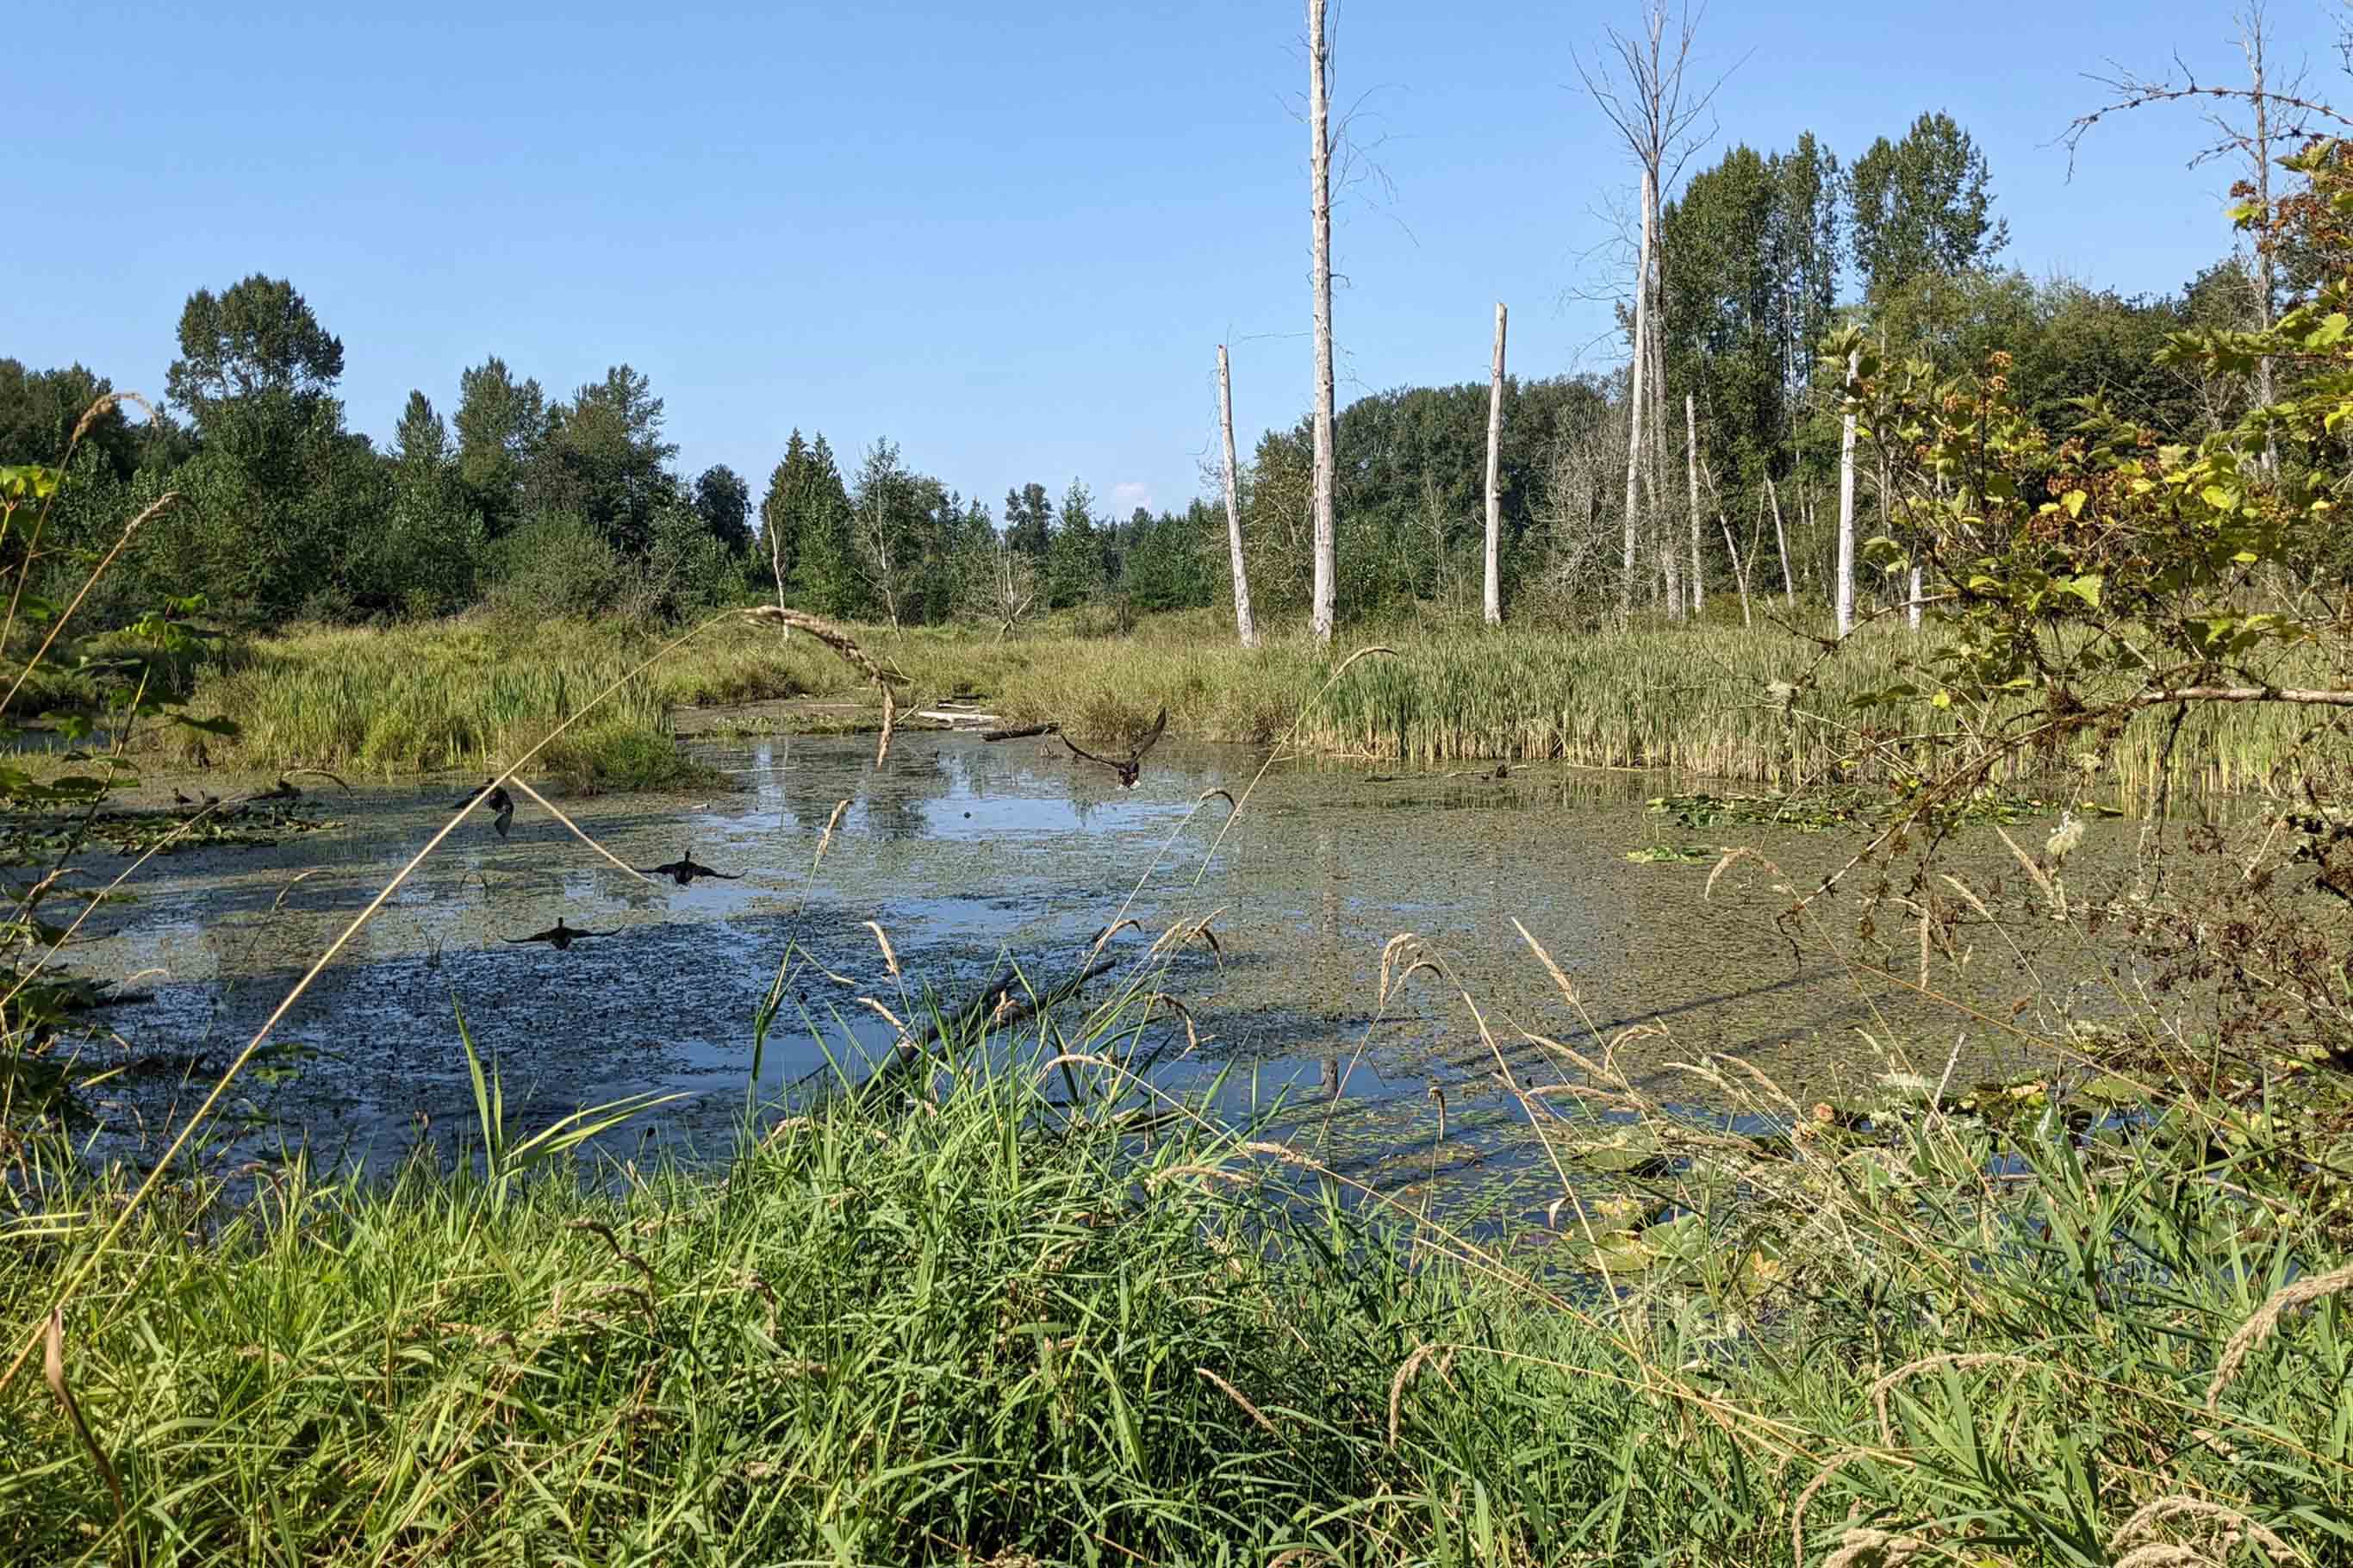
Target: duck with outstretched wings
[(684, 870), (560, 936), (1128, 767)]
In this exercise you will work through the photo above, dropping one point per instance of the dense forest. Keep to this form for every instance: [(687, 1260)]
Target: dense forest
[(554, 504)]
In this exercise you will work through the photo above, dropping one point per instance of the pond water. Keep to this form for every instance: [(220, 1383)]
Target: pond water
[(968, 854)]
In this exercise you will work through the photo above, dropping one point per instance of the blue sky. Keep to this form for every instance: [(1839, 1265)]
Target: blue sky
[(1008, 237)]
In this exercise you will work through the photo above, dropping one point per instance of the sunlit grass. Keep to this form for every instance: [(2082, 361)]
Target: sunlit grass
[(1007, 1330), (1710, 701)]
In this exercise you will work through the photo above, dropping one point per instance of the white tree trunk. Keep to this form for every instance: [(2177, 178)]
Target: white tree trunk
[(1319, 72), (1739, 571), (1846, 511), (1782, 538), (1242, 622), (1637, 398), (1495, 598), (1913, 602), (1690, 472)]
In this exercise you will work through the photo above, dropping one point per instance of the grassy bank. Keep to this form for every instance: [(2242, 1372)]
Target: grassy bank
[(465, 693), (1004, 1330)]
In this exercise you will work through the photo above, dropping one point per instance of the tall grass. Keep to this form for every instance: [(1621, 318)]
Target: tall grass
[(1006, 1328), (1711, 700)]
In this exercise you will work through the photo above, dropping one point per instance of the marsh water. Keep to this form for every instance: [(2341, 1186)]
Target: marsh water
[(968, 856)]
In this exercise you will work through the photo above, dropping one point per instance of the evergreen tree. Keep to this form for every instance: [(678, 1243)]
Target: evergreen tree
[(816, 513), (1074, 559), (777, 542), (422, 560)]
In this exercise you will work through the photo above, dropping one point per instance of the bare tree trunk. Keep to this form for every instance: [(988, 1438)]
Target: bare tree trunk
[(1668, 552), (1782, 538), (1691, 470), (1242, 622), (1846, 510), (776, 564), (1495, 477), (2251, 40), (1319, 85), (1739, 571), (1913, 603), (1638, 396)]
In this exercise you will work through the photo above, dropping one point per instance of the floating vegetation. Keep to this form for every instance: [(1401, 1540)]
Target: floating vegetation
[(1850, 807), (164, 831), (1674, 854)]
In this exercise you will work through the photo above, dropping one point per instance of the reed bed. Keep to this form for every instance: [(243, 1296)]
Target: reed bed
[(1001, 1326), (1755, 706)]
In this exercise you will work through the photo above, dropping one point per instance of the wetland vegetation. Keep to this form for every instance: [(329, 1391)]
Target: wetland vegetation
[(1851, 1073)]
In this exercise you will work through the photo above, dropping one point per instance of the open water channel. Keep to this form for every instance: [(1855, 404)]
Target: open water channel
[(968, 854)]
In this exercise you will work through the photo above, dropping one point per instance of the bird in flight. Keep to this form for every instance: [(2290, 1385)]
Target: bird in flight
[(1128, 767), (501, 804), (684, 870), (560, 936)]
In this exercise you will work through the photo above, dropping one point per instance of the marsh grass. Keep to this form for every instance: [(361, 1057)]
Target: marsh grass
[(1004, 1326), (1758, 707)]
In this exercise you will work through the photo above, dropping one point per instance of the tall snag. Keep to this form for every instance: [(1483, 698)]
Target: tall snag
[(1494, 588), (1319, 91), (1242, 622)]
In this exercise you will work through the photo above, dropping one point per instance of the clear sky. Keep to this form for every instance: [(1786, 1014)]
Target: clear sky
[(1008, 236)]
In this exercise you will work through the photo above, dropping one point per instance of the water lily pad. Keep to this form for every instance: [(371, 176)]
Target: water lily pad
[(2113, 1091)]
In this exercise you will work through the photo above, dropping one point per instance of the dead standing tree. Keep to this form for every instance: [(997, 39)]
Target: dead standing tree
[(1319, 134), (1494, 588), (1639, 86), (2279, 117), (1242, 622)]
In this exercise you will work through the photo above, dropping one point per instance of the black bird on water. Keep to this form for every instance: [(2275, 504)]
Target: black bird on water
[(560, 936), (1127, 768), (684, 870), (501, 804)]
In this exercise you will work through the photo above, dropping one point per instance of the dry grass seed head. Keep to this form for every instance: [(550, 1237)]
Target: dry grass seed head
[(2163, 1554), (882, 941), (2259, 1328), (53, 1368), (1806, 1494), (1405, 1376), (1230, 1392), (2180, 1506), (1863, 1547)]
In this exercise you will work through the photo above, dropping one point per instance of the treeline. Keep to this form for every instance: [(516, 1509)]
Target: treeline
[(542, 504), (556, 505)]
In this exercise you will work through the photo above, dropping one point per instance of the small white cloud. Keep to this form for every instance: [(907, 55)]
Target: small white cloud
[(1127, 496)]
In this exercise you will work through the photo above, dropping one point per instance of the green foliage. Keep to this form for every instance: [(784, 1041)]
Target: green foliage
[(812, 507), (724, 501), (258, 338), (1751, 267), (1075, 572), (555, 565), (1004, 1329), (1922, 205), (502, 430), (1028, 517)]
